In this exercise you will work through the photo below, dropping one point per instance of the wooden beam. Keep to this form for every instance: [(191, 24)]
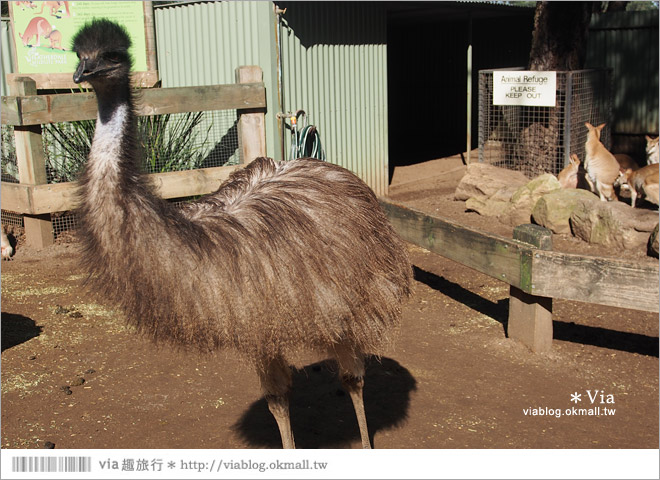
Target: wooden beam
[(54, 197), (158, 101), (16, 197), (61, 197), (10, 111), (191, 182), (605, 281), (40, 109), (252, 122), (491, 254), (63, 81), (150, 35), (530, 316), (599, 280), (31, 167)]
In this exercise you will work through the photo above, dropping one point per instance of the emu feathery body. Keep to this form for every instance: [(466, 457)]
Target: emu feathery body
[(281, 258)]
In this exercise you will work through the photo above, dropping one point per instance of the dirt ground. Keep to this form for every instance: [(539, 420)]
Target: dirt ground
[(74, 376)]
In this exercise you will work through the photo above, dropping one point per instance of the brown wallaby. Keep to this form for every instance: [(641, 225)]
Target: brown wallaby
[(642, 183), (601, 166)]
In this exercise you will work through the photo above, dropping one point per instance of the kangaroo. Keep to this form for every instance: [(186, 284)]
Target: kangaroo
[(568, 177), (625, 162), (38, 26), (652, 150), (601, 166), (643, 183), (25, 4), (56, 40), (7, 249), (54, 8)]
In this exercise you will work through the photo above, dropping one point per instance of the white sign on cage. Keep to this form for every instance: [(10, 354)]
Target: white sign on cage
[(520, 87)]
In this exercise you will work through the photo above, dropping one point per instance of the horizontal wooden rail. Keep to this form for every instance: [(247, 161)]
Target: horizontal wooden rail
[(60, 197), (59, 81), (599, 280), (42, 109), (491, 254)]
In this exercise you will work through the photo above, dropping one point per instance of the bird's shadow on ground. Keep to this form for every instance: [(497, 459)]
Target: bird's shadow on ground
[(322, 414)]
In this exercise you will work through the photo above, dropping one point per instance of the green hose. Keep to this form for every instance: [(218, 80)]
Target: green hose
[(307, 143)]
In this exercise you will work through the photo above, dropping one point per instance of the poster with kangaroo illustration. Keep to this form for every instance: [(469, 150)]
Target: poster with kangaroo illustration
[(42, 32)]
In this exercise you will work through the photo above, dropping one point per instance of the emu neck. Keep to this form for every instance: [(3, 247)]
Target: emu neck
[(113, 148), (111, 183), (111, 96)]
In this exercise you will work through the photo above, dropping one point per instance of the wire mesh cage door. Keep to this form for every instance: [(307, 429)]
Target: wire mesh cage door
[(536, 140)]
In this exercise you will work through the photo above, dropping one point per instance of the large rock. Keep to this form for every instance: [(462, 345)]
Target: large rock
[(653, 243), (553, 210), (613, 224), (493, 206), (524, 199), (482, 181)]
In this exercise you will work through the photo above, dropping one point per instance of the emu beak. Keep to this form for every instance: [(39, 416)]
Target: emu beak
[(79, 75)]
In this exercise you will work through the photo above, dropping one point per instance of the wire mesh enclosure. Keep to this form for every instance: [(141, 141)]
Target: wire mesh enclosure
[(536, 140), (9, 161), (173, 142)]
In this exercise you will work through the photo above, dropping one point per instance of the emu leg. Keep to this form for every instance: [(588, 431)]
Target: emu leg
[(354, 386), (279, 407), (275, 379), (351, 370)]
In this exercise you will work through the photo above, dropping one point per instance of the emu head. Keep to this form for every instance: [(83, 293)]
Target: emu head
[(102, 49)]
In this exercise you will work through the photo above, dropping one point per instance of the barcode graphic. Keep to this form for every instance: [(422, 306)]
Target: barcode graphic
[(51, 464)]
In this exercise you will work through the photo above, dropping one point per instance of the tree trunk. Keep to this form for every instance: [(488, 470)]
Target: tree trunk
[(559, 43), (559, 39)]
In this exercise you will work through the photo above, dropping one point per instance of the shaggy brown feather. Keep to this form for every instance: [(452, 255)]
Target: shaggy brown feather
[(306, 238)]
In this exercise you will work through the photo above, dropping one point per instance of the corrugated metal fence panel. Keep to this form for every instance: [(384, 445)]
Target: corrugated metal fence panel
[(204, 43), (334, 63), (7, 66), (628, 43)]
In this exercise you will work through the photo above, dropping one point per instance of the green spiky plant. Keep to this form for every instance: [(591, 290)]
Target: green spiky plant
[(169, 143)]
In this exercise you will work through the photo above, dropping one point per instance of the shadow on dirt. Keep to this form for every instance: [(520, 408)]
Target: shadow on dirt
[(498, 311), (17, 329), (322, 414), (605, 338), (569, 332)]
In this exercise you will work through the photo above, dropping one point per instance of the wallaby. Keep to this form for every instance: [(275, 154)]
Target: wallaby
[(652, 150), (55, 7), (24, 4), (643, 183), (55, 38), (625, 162), (568, 177), (38, 26), (7, 249), (601, 166)]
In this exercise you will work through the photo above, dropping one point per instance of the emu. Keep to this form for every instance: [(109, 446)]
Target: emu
[(282, 258)]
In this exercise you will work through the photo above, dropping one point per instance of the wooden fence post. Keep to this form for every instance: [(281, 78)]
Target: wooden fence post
[(251, 122), (530, 316), (31, 167)]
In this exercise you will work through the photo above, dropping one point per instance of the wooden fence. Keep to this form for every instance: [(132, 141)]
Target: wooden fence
[(27, 111), (535, 273)]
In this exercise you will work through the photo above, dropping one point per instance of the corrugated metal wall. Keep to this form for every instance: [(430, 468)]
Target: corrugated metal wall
[(628, 43), (204, 43), (334, 66)]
